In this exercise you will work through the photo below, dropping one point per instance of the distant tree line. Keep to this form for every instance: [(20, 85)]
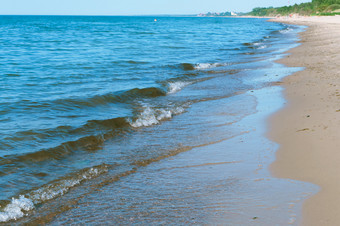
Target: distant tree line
[(215, 14), (316, 7)]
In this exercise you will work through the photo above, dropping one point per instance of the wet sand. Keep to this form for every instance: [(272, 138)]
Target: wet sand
[(308, 127)]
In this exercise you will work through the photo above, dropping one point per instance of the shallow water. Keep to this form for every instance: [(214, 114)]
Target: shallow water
[(90, 103)]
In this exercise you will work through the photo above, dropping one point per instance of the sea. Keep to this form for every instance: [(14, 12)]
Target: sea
[(94, 110)]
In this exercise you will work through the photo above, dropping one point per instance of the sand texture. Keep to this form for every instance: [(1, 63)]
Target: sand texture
[(308, 128)]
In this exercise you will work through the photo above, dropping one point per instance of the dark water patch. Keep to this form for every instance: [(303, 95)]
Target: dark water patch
[(129, 62), (94, 101), (248, 53), (143, 33), (247, 44), (88, 143), (88, 67), (229, 49), (13, 75), (174, 47), (187, 66), (146, 92), (202, 66), (137, 62), (105, 129)]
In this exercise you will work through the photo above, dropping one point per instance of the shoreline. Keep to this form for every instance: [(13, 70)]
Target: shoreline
[(227, 182), (307, 128)]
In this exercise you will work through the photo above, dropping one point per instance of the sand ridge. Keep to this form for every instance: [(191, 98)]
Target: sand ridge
[(308, 128)]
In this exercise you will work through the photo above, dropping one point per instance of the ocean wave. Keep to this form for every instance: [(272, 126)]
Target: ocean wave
[(260, 45), (86, 138), (286, 30), (248, 44), (151, 116), (97, 132), (201, 66), (19, 207), (61, 186), (93, 101), (174, 87), (187, 66), (254, 45), (16, 209), (120, 96)]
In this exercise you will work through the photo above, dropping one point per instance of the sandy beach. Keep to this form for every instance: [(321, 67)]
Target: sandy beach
[(308, 127), (178, 136)]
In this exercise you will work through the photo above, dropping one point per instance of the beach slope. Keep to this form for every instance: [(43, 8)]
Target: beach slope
[(308, 128)]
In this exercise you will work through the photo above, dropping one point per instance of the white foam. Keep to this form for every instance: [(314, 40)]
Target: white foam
[(51, 191), (262, 47), (61, 187), (146, 118), (150, 116), (16, 209), (174, 87), (178, 110), (163, 114), (202, 66), (287, 30)]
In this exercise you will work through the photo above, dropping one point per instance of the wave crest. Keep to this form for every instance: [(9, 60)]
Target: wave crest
[(19, 207), (16, 209), (150, 116), (174, 87), (201, 66)]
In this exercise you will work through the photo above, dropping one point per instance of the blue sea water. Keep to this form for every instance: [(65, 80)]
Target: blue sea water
[(91, 99)]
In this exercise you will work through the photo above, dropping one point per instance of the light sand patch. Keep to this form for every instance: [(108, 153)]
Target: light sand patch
[(308, 128)]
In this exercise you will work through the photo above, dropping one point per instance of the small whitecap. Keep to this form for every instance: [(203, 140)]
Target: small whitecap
[(146, 118), (16, 208), (262, 47), (150, 116), (174, 87), (178, 110), (286, 30), (163, 114), (202, 66)]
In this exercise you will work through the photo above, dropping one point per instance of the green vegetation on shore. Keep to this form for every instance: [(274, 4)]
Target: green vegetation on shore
[(316, 7)]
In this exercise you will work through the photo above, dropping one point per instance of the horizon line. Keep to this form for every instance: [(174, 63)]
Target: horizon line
[(165, 14)]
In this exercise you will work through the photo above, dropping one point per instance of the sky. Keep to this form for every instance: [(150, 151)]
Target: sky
[(132, 7)]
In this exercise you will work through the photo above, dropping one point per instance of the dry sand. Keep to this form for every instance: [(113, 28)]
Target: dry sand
[(308, 128)]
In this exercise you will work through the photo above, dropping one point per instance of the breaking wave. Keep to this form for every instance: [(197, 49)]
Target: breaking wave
[(174, 87), (201, 66), (20, 207), (286, 30), (16, 209), (152, 116)]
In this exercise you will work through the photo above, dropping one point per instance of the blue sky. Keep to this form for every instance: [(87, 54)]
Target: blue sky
[(132, 7)]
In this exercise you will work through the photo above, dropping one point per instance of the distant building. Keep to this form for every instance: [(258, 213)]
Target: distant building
[(233, 14)]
